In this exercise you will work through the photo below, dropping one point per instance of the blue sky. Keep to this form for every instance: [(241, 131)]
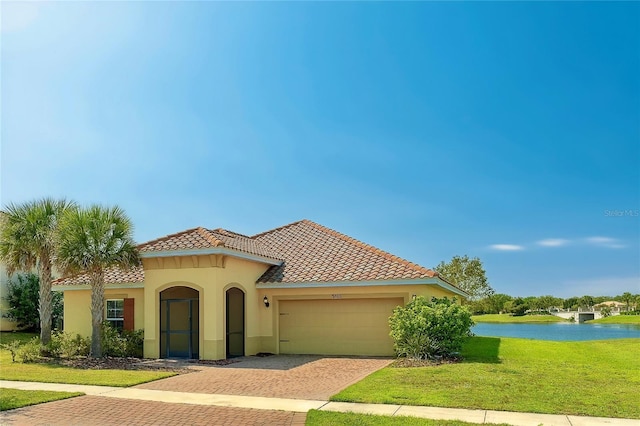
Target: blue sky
[(506, 131)]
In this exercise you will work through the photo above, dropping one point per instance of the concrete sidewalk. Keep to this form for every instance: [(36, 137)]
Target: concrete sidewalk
[(303, 405)]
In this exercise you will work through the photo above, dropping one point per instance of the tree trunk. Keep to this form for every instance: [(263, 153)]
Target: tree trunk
[(97, 312), (45, 299)]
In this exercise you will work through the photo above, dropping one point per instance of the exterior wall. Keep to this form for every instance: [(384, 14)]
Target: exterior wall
[(211, 276), (77, 308), (5, 323), (270, 317)]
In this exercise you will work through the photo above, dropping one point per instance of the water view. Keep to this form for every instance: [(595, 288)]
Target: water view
[(558, 331)]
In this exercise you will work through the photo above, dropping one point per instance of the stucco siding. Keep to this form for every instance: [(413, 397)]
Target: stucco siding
[(211, 282), (77, 308)]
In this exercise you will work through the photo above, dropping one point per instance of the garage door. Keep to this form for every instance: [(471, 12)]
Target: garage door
[(336, 327)]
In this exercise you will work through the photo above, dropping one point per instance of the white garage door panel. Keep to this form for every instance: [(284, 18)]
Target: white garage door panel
[(337, 327)]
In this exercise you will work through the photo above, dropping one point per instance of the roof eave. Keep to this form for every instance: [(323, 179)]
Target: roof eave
[(318, 284), (212, 250), (72, 287)]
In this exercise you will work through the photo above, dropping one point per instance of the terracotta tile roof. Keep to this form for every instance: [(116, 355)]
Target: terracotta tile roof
[(111, 276), (201, 238), (314, 253), (310, 253)]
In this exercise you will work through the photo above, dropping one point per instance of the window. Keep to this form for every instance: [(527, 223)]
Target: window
[(115, 313)]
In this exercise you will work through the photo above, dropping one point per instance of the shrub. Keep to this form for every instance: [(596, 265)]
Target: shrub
[(121, 344), (30, 351), (429, 329), (23, 300), (13, 347), (64, 345)]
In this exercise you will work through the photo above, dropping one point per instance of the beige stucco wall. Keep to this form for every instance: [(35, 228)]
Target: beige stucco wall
[(269, 318), (5, 323), (77, 308), (211, 278)]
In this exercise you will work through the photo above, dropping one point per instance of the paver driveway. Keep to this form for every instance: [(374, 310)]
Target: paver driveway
[(102, 411), (281, 376), (276, 376)]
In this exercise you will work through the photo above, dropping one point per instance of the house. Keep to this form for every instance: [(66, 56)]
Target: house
[(6, 324), (298, 289)]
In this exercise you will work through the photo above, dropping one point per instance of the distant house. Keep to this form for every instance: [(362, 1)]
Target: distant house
[(298, 289), (611, 304), (6, 324)]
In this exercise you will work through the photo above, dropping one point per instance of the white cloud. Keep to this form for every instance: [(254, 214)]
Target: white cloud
[(553, 242), (506, 247), (605, 242)]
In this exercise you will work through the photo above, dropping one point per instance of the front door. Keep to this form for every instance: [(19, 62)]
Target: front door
[(179, 319), (235, 323)]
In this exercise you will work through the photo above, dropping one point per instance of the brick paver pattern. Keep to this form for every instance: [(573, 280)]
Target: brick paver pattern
[(281, 376), (103, 411)]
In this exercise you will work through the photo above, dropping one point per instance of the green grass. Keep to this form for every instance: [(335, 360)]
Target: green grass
[(618, 319), (54, 373), (594, 378), (21, 336), (525, 318), (329, 418), (16, 398)]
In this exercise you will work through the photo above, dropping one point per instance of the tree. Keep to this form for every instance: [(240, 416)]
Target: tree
[(467, 274), (22, 299), (517, 306), (27, 241), (90, 240), (586, 302), (627, 298)]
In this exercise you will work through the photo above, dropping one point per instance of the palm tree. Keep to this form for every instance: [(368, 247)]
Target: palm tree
[(627, 297), (90, 240), (27, 241)]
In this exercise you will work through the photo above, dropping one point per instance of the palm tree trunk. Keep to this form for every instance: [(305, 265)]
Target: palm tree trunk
[(97, 312), (45, 299)]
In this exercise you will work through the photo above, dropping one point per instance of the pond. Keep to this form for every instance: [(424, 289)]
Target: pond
[(557, 331)]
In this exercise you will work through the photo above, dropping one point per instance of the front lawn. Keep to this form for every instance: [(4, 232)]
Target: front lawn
[(618, 319), (54, 373), (594, 378), (330, 418), (16, 398), (506, 318)]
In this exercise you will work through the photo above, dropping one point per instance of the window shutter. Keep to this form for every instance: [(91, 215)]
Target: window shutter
[(128, 314)]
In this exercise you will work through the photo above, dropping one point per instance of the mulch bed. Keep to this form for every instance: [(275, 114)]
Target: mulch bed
[(131, 363)]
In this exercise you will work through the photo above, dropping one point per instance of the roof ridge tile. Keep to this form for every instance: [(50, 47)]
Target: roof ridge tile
[(277, 229), (206, 234), (166, 237)]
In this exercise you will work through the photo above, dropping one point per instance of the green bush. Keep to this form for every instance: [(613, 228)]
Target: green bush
[(121, 344), (636, 312), (64, 345), (430, 329), (13, 347), (30, 351), (23, 300)]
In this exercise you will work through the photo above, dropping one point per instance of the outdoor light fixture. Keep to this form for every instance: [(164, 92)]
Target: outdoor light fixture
[(413, 297), (266, 301)]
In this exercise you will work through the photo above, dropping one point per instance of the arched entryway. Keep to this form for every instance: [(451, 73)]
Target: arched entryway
[(235, 322), (179, 320)]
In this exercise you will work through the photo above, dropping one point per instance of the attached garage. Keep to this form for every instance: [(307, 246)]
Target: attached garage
[(337, 327)]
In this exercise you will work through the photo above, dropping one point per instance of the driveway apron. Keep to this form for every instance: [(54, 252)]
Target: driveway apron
[(276, 376)]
